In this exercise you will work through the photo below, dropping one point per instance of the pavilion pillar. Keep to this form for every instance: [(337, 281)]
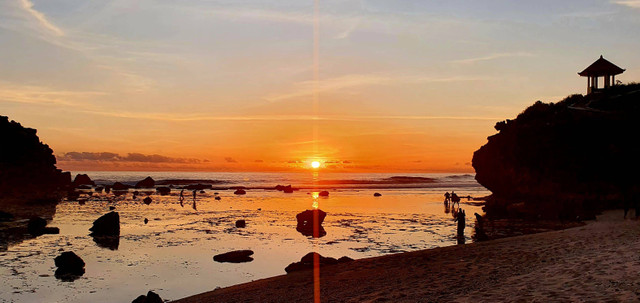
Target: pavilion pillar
[(607, 78), (613, 80)]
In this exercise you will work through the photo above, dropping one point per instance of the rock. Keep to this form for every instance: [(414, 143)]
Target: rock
[(307, 262), (99, 189), (36, 226), (163, 190), (151, 297), (237, 256), (82, 179), (147, 200), (72, 195), (377, 194), (239, 191), (70, 266), (307, 221), (82, 201), (112, 207), (218, 198), (146, 220), (120, 186), (107, 188), (28, 167), (241, 224), (148, 182), (107, 225), (286, 189), (323, 193)]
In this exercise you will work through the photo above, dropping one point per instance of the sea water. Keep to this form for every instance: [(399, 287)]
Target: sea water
[(173, 253)]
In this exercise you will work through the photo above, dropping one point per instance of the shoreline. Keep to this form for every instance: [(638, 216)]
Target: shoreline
[(597, 261)]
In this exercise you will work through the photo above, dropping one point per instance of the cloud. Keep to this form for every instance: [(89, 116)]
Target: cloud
[(629, 3), (493, 57), (130, 157), (27, 5), (230, 160)]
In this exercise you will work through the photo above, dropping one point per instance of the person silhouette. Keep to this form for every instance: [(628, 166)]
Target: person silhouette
[(181, 198), (447, 197)]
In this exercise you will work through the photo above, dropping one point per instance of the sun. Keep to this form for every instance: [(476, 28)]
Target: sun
[(315, 164)]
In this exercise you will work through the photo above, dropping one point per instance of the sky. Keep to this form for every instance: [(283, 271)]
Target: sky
[(253, 85)]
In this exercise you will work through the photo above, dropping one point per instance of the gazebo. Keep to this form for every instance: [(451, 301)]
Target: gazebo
[(600, 68)]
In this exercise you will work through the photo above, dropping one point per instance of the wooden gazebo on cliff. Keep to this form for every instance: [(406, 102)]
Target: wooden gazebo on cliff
[(601, 68)]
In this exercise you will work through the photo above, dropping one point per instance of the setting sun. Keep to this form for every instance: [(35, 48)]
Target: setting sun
[(315, 164)]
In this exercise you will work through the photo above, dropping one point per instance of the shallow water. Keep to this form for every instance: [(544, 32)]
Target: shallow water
[(173, 253)]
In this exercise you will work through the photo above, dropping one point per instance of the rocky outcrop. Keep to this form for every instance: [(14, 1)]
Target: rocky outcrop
[(120, 186), (163, 190), (28, 170), (236, 256), (239, 191), (70, 266), (565, 160), (148, 182), (241, 223)]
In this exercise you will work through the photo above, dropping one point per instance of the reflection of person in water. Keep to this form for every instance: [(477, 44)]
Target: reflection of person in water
[(194, 199), (181, 198)]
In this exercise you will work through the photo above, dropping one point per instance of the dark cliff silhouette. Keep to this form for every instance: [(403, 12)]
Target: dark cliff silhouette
[(30, 183), (565, 160)]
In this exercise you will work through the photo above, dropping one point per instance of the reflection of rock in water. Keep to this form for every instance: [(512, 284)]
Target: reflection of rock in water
[(110, 242), (308, 219), (15, 229)]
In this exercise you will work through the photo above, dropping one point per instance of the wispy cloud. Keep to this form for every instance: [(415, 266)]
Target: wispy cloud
[(493, 57), (130, 157), (30, 94), (27, 5), (629, 3)]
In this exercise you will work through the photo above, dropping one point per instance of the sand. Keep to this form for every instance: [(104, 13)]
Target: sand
[(597, 262)]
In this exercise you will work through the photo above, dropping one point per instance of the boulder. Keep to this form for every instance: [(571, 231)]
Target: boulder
[(323, 193), (241, 224), (307, 262), (147, 200), (120, 186), (82, 179), (218, 198), (239, 191), (107, 225), (99, 189), (236, 256), (377, 194), (36, 226), (148, 182), (70, 266), (151, 297), (163, 190), (308, 219)]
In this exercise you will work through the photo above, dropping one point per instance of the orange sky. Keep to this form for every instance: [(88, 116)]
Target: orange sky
[(410, 86)]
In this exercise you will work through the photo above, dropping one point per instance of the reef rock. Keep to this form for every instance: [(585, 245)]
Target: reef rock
[(82, 179), (148, 182), (307, 262), (107, 225), (308, 219), (70, 266)]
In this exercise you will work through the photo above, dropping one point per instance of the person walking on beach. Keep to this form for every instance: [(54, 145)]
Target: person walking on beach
[(447, 197), (460, 218), (455, 198), (195, 191), (182, 198)]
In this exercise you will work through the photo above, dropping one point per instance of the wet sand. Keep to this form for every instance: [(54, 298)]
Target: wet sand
[(596, 262)]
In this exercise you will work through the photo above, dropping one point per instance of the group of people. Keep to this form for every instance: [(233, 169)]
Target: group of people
[(451, 198)]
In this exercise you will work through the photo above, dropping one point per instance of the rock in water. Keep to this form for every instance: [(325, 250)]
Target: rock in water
[(36, 226), (70, 266), (236, 256), (120, 186), (107, 225), (82, 179), (148, 182), (240, 191), (241, 224), (163, 190), (323, 193), (377, 194), (308, 219), (147, 200)]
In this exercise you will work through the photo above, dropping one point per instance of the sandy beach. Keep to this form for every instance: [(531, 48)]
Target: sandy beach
[(597, 262)]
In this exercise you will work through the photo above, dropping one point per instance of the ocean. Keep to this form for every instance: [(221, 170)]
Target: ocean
[(172, 254)]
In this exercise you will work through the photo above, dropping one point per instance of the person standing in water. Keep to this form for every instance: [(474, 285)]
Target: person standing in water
[(182, 198), (447, 197), (195, 192)]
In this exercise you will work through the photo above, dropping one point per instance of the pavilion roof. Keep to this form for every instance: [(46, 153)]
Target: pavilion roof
[(601, 67)]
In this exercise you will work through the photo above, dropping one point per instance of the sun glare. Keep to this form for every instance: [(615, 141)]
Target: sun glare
[(315, 164)]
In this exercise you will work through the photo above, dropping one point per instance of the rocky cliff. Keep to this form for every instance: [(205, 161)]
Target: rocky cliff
[(28, 170), (565, 160)]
